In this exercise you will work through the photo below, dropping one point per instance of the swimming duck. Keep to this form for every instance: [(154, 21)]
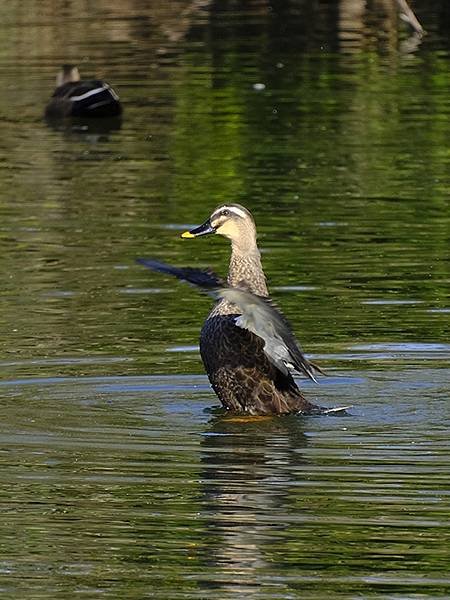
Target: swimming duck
[(246, 345), (74, 97)]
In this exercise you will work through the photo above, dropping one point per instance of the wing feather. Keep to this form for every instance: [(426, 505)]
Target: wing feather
[(258, 314)]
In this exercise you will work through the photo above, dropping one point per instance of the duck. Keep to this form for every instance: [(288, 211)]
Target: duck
[(74, 97), (248, 348)]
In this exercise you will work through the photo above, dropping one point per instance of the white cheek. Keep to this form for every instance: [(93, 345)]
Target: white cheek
[(224, 230)]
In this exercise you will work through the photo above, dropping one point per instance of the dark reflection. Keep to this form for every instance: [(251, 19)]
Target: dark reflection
[(91, 130), (247, 475), (348, 26)]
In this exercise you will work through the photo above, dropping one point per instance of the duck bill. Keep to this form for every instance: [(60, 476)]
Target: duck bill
[(203, 229)]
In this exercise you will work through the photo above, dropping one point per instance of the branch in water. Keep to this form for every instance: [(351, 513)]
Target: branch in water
[(407, 15)]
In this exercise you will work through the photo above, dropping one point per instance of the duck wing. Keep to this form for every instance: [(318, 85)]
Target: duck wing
[(262, 317), (205, 279), (259, 315)]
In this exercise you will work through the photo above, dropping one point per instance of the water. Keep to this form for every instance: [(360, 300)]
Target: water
[(120, 476)]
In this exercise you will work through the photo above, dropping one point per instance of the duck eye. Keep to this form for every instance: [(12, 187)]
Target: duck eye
[(226, 213)]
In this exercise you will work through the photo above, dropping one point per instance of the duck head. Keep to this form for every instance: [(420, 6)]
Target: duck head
[(68, 73), (233, 221)]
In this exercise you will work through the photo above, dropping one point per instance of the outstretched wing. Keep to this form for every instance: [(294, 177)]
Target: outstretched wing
[(258, 315), (205, 279)]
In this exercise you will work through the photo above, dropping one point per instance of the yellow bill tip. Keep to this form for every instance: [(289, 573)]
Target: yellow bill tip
[(187, 234)]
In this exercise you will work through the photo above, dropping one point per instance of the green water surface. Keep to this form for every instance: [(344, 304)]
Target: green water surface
[(120, 477)]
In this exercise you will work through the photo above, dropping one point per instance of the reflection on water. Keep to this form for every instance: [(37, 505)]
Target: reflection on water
[(119, 475), (132, 483), (92, 131), (247, 481)]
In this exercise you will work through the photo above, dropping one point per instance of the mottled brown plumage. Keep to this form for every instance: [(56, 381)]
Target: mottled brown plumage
[(241, 374)]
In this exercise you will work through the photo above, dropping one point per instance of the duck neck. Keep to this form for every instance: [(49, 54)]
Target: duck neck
[(245, 265)]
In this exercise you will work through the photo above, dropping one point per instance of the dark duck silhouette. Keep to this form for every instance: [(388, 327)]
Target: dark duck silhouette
[(247, 346), (74, 97)]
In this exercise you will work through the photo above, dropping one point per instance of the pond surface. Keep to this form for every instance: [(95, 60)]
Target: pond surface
[(120, 476)]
